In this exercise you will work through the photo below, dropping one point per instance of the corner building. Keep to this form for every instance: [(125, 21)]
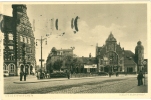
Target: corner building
[(112, 57), (19, 42)]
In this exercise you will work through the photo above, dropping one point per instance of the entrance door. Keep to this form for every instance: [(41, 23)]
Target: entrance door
[(106, 69)]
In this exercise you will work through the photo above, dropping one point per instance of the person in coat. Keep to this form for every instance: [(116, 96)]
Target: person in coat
[(140, 78), (21, 75), (68, 74)]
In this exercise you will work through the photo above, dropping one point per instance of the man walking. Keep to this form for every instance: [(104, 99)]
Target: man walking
[(68, 74)]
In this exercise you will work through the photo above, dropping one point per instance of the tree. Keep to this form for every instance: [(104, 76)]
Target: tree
[(57, 64), (68, 60)]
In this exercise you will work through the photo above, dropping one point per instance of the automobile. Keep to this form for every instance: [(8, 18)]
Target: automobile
[(6, 73)]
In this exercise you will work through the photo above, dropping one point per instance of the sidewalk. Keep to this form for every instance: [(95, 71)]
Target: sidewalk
[(139, 89)]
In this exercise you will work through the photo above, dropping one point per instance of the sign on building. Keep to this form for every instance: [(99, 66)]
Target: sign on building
[(90, 66)]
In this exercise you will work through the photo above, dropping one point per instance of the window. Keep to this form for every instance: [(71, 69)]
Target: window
[(21, 39), (25, 39), (12, 66), (120, 61), (5, 67), (10, 36), (12, 57), (28, 40), (11, 47)]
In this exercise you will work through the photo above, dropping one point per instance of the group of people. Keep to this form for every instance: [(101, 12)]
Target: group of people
[(140, 78), (22, 73)]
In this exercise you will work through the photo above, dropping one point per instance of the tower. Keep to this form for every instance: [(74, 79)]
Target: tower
[(139, 56), (19, 44), (24, 40)]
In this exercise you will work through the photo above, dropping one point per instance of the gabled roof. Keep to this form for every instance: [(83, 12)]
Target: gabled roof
[(111, 38)]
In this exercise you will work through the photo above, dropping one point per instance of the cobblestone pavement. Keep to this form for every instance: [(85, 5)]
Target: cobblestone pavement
[(101, 84)]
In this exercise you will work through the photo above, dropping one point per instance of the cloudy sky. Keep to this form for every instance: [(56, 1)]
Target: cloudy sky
[(127, 22)]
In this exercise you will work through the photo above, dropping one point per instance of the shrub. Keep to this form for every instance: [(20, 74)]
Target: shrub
[(58, 75)]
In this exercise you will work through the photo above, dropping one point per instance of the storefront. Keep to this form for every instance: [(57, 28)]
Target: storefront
[(90, 68)]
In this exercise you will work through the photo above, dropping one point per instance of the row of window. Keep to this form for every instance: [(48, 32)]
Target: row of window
[(22, 39), (11, 67), (108, 62), (25, 39), (12, 57)]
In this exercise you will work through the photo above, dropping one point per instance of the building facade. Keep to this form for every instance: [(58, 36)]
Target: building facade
[(59, 54), (112, 57), (19, 42)]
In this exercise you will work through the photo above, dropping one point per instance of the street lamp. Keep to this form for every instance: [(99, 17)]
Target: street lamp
[(41, 41)]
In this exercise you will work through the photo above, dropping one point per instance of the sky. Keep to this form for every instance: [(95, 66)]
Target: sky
[(127, 22)]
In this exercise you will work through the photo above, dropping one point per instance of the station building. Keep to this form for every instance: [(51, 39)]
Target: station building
[(112, 57)]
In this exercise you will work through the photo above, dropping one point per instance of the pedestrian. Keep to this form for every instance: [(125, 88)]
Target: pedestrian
[(21, 75), (25, 76), (110, 74), (38, 75), (116, 74), (139, 78), (68, 73)]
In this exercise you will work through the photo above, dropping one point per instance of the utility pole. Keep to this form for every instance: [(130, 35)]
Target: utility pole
[(41, 41)]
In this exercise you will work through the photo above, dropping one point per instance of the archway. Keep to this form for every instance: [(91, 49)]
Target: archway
[(31, 69), (5, 67), (27, 69), (21, 67), (11, 67)]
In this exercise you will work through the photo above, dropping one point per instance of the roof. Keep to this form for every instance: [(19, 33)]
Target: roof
[(7, 23), (111, 38), (129, 58), (129, 53), (64, 49), (87, 60)]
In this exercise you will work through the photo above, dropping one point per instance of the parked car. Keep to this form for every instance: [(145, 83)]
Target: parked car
[(6, 73)]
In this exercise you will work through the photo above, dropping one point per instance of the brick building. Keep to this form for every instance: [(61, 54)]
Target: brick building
[(19, 41), (112, 57)]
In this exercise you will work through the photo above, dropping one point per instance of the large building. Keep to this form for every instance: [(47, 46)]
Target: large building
[(59, 54), (112, 57), (18, 41)]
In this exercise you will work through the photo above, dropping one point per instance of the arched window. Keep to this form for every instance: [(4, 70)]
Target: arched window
[(12, 67), (10, 36), (5, 67), (21, 39)]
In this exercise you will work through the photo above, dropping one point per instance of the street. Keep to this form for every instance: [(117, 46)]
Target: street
[(97, 84)]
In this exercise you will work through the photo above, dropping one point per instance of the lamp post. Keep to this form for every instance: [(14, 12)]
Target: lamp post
[(41, 41)]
